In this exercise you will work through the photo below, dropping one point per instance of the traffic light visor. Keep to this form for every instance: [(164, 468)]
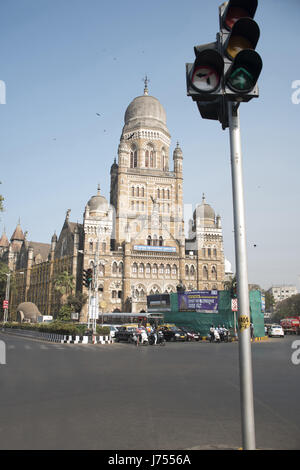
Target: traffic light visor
[(207, 71), (245, 34), (244, 73), (237, 9)]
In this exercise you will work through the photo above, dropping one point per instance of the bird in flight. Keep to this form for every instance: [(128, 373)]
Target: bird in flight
[(98, 114)]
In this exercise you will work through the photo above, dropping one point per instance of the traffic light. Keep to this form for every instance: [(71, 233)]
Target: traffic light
[(204, 76), (87, 277), (204, 80), (227, 69), (239, 35)]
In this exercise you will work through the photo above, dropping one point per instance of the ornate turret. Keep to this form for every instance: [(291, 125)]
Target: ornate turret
[(178, 158)]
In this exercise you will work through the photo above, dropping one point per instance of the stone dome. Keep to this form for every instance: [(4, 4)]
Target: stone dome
[(98, 204), (145, 107), (205, 212), (27, 311), (177, 152), (145, 111)]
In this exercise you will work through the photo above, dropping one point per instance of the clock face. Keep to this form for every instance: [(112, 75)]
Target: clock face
[(205, 78)]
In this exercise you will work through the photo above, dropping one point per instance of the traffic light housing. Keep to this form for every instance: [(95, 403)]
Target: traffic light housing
[(87, 277), (227, 69), (204, 81), (239, 35), (204, 76)]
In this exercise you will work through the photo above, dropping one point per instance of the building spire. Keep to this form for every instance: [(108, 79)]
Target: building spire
[(146, 81), (98, 190)]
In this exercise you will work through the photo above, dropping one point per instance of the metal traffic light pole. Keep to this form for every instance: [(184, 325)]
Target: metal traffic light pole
[(245, 360)]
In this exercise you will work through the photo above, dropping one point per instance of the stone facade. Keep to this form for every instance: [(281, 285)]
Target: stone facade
[(137, 239)]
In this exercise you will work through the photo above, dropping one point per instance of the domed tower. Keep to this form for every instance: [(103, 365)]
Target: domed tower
[(97, 225), (206, 233), (145, 184)]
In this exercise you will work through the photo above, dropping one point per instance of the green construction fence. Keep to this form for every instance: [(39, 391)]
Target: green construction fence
[(202, 322)]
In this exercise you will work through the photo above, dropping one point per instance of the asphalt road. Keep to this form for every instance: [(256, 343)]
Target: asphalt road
[(182, 396)]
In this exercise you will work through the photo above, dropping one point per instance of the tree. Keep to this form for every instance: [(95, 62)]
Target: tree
[(63, 284), (287, 308), (269, 300), (77, 301), (65, 313)]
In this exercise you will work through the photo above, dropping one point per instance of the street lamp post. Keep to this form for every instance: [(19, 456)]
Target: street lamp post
[(5, 318)]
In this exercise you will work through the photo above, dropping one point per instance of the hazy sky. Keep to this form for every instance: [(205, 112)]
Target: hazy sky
[(63, 61)]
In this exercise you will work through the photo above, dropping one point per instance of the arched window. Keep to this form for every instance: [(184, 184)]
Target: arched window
[(142, 192), (161, 269), (101, 270), (158, 193), (168, 193), (134, 268), (214, 273), (148, 268), (149, 240), (114, 267), (138, 192), (205, 273), (133, 158), (192, 271), (132, 191), (154, 269), (174, 269), (163, 194), (160, 241), (141, 270), (121, 268), (150, 157), (168, 270), (187, 271), (215, 252), (91, 246), (163, 160)]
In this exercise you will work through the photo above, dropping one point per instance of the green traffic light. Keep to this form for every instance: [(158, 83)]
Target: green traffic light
[(241, 80)]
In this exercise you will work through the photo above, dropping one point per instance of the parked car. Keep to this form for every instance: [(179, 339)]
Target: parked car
[(124, 333), (275, 330), (173, 333), (191, 334)]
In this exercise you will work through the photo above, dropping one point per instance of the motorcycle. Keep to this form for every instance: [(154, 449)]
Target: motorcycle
[(214, 336), (160, 339)]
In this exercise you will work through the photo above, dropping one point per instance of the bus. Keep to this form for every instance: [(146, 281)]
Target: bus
[(122, 318)]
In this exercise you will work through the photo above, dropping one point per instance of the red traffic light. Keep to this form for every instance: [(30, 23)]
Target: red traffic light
[(237, 9)]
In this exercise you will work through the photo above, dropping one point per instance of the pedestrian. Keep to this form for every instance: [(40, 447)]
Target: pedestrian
[(252, 331), (212, 333)]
